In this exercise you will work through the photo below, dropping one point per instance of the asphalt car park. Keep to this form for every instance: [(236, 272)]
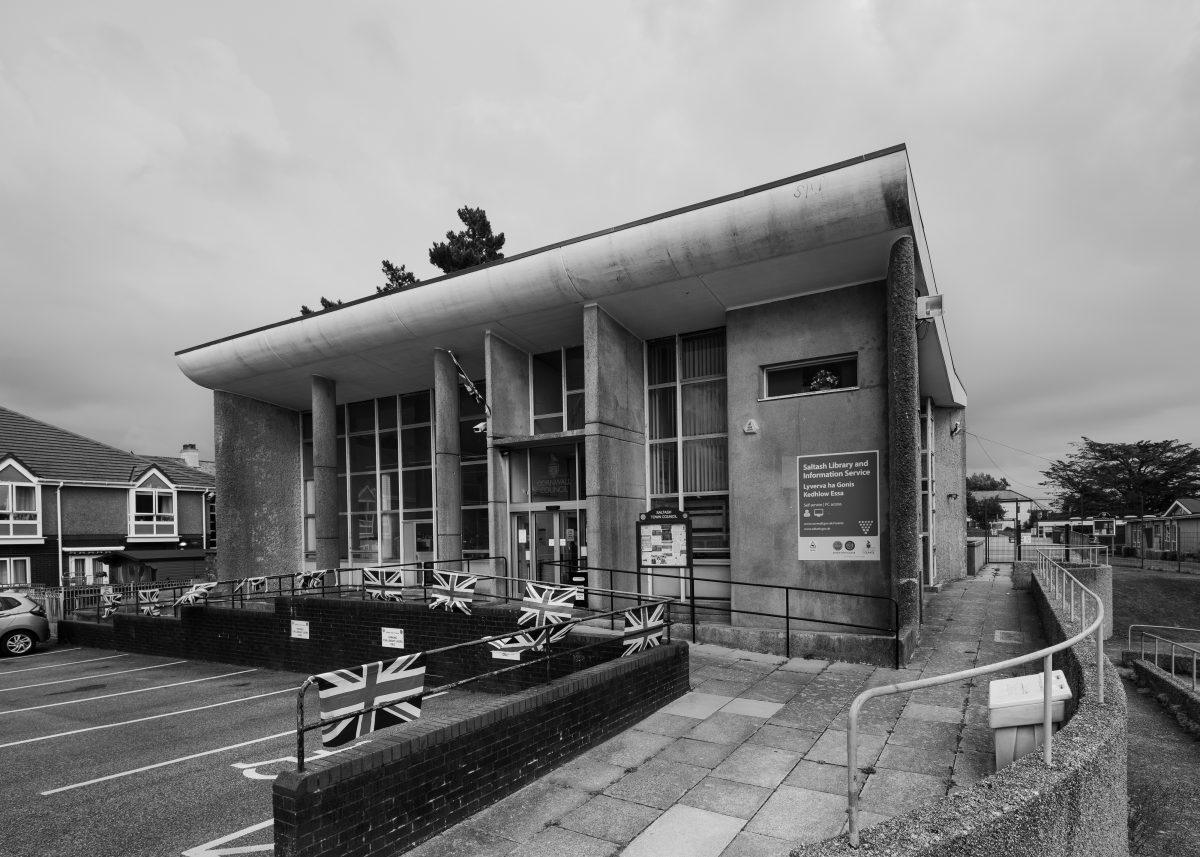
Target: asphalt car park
[(111, 753)]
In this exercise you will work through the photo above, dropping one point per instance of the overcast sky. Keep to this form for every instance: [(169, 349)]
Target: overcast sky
[(171, 173)]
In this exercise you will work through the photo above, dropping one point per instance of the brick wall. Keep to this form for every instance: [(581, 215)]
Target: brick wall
[(342, 633), (387, 796)]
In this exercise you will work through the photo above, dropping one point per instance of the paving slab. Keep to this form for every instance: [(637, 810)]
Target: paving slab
[(464, 839), (758, 765), (526, 812), (889, 792), (818, 777), (686, 831), (723, 728), (784, 737), (561, 842), (800, 815), (727, 797), (704, 754), (747, 844), (659, 783), (610, 819), (752, 708), (630, 748), (696, 705)]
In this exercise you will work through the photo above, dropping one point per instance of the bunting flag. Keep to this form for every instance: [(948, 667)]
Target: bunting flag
[(384, 585), (148, 602), (112, 602), (251, 584), (468, 384), (198, 594), (452, 591), (547, 604), (311, 579), (347, 697), (510, 648), (644, 627)]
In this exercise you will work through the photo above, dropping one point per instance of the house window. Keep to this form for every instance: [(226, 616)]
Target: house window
[(14, 571), (153, 513), (689, 442), (18, 510), (810, 376)]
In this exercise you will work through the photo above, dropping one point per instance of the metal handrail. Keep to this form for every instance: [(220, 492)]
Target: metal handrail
[(1060, 584), (303, 728), (1173, 643), (787, 616), (1129, 633)]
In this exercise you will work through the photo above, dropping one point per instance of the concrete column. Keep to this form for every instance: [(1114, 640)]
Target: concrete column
[(614, 429), (506, 368), (447, 457), (325, 481), (904, 446)]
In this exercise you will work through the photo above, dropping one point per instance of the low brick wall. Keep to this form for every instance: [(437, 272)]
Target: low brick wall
[(411, 783), (342, 632), (1077, 808)]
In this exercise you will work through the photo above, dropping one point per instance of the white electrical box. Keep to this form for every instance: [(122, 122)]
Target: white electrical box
[(930, 306)]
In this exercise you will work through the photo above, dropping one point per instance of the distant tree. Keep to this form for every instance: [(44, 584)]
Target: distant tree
[(986, 482), (1124, 478), (473, 246), (984, 511), (398, 279), (326, 303)]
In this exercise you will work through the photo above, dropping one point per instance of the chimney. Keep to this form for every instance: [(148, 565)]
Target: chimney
[(190, 455)]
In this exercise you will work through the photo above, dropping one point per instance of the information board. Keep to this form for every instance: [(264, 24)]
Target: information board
[(839, 505), (664, 539), (299, 629), (393, 638)]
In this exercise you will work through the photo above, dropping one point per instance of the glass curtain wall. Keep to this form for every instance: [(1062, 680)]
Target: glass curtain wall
[(473, 450), (556, 388), (688, 436), (385, 476)]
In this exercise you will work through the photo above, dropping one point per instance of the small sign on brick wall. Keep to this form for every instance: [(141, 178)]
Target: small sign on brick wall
[(393, 638), (299, 629)]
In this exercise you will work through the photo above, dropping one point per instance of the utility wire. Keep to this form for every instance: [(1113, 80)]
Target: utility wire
[(1013, 448), (1002, 473)]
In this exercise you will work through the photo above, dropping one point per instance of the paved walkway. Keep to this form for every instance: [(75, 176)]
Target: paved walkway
[(752, 761)]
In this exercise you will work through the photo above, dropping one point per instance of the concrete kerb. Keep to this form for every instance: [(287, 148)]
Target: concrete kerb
[(875, 649), (1174, 693), (1077, 807)]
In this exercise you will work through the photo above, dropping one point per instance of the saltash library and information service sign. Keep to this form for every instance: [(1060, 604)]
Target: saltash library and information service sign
[(839, 505)]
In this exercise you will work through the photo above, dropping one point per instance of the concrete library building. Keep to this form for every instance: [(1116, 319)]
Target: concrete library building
[(771, 367)]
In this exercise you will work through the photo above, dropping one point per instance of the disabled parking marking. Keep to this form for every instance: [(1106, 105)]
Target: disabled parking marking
[(124, 692), (67, 664), (144, 719), (210, 849), (250, 769), (91, 676), (156, 765)]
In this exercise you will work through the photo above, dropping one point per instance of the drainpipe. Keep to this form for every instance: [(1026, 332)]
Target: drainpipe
[(58, 515)]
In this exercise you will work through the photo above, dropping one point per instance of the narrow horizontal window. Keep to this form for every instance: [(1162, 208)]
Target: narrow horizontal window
[(810, 376)]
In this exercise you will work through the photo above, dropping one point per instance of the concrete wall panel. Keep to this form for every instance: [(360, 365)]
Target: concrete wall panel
[(259, 514), (950, 462)]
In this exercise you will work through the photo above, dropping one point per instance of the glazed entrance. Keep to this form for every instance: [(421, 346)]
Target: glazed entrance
[(548, 536)]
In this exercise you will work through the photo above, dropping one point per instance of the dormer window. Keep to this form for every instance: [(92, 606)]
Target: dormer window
[(20, 503), (152, 512)]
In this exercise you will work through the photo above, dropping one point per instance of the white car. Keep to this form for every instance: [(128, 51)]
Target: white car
[(23, 623)]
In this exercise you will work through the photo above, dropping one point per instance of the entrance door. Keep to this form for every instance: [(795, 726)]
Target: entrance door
[(543, 538)]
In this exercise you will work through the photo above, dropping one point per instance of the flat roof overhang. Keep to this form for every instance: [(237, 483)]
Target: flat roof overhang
[(678, 271)]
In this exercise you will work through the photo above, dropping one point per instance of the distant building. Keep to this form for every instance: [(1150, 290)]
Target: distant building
[(76, 511), (1012, 503), (698, 360)]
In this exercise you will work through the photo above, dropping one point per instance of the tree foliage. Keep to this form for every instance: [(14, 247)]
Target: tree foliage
[(1124, 478), (326, 303), (984, 510), (398, 279), (986, 482), (472, 246)]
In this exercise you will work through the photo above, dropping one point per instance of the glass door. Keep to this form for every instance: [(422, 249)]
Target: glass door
[(542, 538)]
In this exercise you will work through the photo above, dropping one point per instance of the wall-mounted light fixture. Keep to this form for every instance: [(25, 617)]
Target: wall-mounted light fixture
[(951, 496), (956, 428)]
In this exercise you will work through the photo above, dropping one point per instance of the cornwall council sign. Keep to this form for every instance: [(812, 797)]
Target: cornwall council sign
[(839, 505)]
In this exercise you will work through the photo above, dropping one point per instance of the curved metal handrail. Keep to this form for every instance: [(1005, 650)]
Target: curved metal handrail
[(1129, 633), (1061, 582)]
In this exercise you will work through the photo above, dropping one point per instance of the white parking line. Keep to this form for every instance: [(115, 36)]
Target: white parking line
[(52, 652), (126, 692), (93, 675), (210, 849), (144, 719), (67, 664), (130, 773)]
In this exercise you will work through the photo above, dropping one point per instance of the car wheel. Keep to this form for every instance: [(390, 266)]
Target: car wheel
[(18, 643)]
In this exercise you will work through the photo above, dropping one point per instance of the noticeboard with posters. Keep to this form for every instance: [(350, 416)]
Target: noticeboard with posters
[(664, 539), (839, 505)]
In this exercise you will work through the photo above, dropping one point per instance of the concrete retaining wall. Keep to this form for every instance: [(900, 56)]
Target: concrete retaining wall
[(1077, 808), (1174, 693), (879, 650)]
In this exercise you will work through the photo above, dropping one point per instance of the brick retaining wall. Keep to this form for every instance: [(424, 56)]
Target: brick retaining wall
[(411, 783)]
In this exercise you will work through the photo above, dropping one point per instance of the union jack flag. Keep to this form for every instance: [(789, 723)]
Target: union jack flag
[(384, 585), (511, 647), (452, 591), (251, 584), (148, 602), (546, 604), (348, 695), (644, 627), (198, 594), (112, 602), (311, 579)]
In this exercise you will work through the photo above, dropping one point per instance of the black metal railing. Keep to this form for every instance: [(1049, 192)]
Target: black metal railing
[(788, 592)]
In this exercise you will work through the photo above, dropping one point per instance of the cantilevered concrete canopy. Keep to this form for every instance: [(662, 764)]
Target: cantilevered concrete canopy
[(678, 271)]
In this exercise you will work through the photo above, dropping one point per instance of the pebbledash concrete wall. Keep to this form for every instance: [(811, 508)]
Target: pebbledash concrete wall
[(763, 482), (411, 783), (1077, 808), (260, 513), (950, 486)]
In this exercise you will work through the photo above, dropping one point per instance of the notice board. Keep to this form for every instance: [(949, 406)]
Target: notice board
[(664, 539), (839, 505)]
